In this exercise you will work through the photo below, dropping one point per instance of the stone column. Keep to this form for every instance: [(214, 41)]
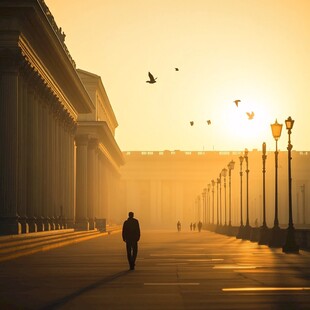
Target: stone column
[(81, 220), (97, 189), (45, 170), (71, 208), (9, 144), (91, 181), (53, 163), (30, 163), (39, 177), (56, 192), (22, 154), (104, 189), (50, 162)]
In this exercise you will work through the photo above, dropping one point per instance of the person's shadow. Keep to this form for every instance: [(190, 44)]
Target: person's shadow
[(62, 301)]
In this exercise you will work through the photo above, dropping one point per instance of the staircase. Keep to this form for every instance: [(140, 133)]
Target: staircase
[(14, 246)]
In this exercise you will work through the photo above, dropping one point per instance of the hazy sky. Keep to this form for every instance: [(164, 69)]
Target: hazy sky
[(257, 51)]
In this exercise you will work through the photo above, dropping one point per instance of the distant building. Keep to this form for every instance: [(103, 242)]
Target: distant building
[(164, 187)]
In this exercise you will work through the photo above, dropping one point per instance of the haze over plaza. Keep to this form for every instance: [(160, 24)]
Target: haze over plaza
[(255, 51)]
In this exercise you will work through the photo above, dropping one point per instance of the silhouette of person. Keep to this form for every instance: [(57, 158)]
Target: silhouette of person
[(191, 226), (131, 235), (199, 226), (194, 226), (179, 226)]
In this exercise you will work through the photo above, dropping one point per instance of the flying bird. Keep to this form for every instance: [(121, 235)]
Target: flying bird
[(209, 122), (192, 123), (250, 115), (237, 102), (152, 79), (176, 69)]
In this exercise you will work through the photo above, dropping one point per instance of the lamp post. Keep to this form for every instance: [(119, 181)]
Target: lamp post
[(220, 207), (224, 174), (290, 245), (217, 203), (213, 211), (275, 234), (230, 166), (209, 205), (247, 228), (204, 205), (239, 235), (263, 231), (198, 209)]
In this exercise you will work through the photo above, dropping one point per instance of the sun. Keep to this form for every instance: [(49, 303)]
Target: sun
[(245, 130)]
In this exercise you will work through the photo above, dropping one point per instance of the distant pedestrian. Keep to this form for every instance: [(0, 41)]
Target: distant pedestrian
[(199, 226), (131, 235), (178, 226), (191, 226), (194, 226)]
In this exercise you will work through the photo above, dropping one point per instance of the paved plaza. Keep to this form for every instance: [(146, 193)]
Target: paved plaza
[(185, 270)]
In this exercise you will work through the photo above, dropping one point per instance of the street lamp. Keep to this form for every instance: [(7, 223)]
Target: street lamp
[(290, 245), (198, 209), (217, 203), (213, 184), (209, 205), (220, 208), (239, 235), (263, 231), (247, 228), (224, 174), (230, 166), (204, 196), (276, 236)]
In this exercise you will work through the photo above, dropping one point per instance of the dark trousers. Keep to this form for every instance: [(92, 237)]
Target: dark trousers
[(132, 251)]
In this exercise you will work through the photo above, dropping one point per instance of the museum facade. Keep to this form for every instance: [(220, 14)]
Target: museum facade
[(59, 161)]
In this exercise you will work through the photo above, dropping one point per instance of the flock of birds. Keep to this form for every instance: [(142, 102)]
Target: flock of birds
[(153, 79)]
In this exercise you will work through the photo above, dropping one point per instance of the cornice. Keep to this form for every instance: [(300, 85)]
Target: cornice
[(42, 43), (35, 63), (101, 131)]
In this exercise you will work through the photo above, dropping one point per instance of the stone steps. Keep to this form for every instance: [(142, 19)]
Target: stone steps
[(15, 246)]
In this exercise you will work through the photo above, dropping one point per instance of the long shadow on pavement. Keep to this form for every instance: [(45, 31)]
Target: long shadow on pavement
[(66, 299)]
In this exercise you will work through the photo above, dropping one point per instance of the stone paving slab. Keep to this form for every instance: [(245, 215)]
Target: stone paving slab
[(186, 270)]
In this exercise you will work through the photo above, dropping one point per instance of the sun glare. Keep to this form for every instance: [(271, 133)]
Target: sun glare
[(247, 122)]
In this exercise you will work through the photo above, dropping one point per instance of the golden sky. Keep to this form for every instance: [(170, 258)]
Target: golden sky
[(257, 51)]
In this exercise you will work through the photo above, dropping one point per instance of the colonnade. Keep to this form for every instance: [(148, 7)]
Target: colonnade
[(37, 165), (51, 177)]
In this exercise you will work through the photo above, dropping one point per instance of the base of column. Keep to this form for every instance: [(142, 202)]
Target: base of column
[(24, 225), (32, 224), (47, 225), (52, 223), (10, 226), (40, 224), (81, 224), (92, 224)]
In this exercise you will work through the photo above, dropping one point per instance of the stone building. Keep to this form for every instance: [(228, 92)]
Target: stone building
[(59, 161), (98, 151), (164, 187)]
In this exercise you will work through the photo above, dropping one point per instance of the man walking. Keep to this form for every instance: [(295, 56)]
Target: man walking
[(131, 235)]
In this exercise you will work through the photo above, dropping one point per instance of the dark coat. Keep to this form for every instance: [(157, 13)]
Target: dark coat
[(131, 230)]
